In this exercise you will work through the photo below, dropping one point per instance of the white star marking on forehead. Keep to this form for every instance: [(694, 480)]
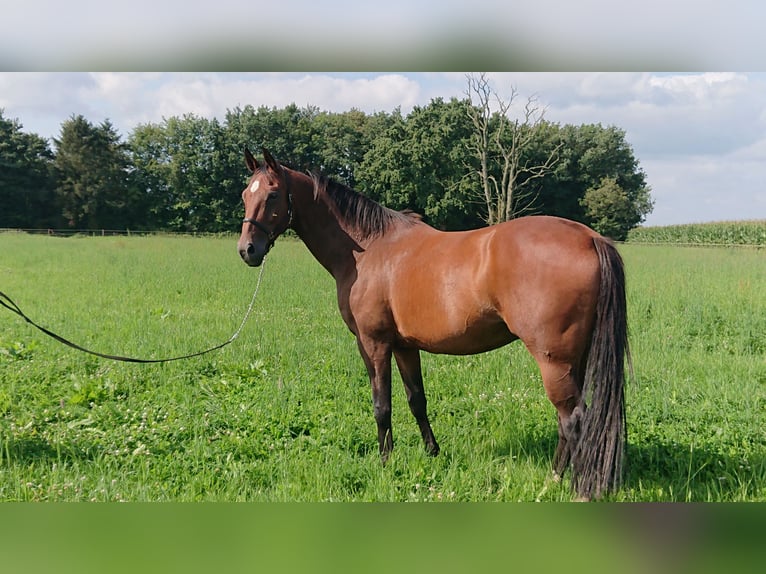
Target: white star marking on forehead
[(254, 187)]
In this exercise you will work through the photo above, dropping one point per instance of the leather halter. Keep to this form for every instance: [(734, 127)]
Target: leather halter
[(273, 234)]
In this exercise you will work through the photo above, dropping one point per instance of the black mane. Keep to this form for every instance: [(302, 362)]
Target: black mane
[(365, 215)]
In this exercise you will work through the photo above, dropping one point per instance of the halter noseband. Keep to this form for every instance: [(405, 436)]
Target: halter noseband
[(272, 234)]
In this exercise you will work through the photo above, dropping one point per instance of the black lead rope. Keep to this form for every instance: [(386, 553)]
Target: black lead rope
[(9, 304)]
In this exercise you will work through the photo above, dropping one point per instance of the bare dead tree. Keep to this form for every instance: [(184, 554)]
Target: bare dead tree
[(498, 143)]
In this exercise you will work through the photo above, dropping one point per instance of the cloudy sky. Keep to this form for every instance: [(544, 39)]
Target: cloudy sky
[(700, 137)]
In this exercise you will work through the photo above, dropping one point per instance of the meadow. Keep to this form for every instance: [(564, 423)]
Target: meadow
[(284, 413)]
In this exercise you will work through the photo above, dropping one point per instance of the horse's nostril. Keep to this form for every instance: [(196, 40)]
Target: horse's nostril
[(250, 249)]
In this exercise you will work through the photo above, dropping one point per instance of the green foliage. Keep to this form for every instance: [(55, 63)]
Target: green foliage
[(91, 165), (151, 159), (419, 163), (721, 233), (342, 139), (590, 155), (16, 351), (200, 198), (186, 173), (284, 413), (290, 133), (609, 210), (26, 186)]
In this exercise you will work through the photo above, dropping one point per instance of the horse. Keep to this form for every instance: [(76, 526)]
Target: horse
[(404, 287)]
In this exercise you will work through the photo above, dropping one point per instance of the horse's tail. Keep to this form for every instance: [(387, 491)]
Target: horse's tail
[(598, 457)]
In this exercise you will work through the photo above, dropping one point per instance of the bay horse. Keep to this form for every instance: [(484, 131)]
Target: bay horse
[(403, 287)]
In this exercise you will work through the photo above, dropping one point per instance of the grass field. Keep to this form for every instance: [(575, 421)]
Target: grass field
[(284, 412)]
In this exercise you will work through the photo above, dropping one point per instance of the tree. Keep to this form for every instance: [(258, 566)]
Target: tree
[(150, 177), (384, 173), (198, 178), (591, 154), (290, 133), (610, 211), (91, 166), (341, 140), (499, 144), (187, 174), (459, 164), (418, 163), (26, 186)]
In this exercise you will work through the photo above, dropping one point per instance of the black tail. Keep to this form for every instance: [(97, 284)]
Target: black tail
[(598, 457)]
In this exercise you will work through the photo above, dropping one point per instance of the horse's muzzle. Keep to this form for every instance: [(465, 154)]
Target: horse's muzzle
[(251, 254)]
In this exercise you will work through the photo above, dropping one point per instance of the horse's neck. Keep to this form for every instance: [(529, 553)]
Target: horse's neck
[(321, 231)]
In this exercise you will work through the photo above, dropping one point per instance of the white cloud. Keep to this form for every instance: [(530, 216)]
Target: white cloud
[(336, 94), (43, 100), (703, 89), (677, 114), (703, 188), (121, 84), (213, 94)]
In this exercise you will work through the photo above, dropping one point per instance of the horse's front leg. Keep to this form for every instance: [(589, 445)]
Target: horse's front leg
[(377, 359)]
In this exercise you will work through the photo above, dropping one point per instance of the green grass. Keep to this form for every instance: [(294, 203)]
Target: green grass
[(751, 233), (284, 412), (699, 342)]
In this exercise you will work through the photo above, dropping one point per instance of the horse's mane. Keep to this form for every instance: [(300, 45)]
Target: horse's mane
[(366, 216)]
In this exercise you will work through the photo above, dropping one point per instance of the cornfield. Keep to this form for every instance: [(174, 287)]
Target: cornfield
[(750, 233)]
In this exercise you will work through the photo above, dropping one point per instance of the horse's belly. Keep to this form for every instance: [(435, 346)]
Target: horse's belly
[(445, 334)]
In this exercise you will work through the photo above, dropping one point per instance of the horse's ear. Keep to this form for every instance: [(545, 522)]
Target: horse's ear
[(271, 162), (250, 161)]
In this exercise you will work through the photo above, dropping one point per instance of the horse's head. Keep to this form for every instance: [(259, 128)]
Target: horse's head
[(268, 208)]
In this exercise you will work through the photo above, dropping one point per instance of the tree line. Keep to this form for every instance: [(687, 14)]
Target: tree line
[(186, 173)]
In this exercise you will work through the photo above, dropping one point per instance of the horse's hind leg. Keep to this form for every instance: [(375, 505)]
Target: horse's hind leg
[(408, 361), (564, 391)]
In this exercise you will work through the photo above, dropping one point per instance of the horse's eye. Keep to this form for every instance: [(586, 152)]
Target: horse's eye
[(273, 196)]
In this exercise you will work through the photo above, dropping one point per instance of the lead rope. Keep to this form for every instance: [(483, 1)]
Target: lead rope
[(8, 303)]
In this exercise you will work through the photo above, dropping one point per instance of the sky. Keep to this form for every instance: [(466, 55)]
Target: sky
[(699, 136)]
